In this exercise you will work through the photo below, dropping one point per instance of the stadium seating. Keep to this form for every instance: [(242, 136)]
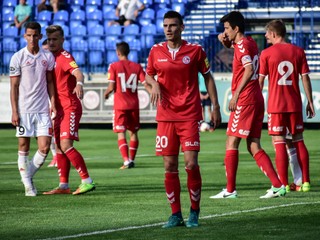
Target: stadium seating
[(9, 3), (111, 56), (130, 32), (44, 17), (147, 16), (61, 17), (94, 18), (77, 18), (147, 35), (10, 32)]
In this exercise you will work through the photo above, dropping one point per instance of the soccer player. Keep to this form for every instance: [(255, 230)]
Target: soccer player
[(246, 106), (53, 162), (123, 79), (176, 63), (69, 84), (32, 85), (283, 63)]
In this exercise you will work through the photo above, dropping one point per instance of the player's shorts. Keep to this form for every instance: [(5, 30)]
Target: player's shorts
[(34, 125), (126, 119), (278, 123), (246, 121), (170, 135), (66, 126)]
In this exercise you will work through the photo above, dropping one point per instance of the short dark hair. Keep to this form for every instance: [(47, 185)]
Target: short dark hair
[(45, 42), (34, 26), (173, 14), (55, 28), (123, 48), (234, 18), (277, 26)]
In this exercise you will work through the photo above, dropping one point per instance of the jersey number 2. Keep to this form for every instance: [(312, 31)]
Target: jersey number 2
[(131, 83), (285, 73)]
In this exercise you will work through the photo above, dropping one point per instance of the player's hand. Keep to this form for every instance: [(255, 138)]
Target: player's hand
[(216, 117), (53, 113), (155, 94), (233, 103), (223, 38), (310, 110), (78, 90), (15, 119)]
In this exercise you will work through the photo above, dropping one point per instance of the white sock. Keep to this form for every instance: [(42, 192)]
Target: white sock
[(23, 168), (36, 162), (294, 166), (53, 148), (87, 180)]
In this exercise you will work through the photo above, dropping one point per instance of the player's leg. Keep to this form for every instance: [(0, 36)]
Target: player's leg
[(294, 165), (190, 142), (133, 128), (167, 146), (53, 162)]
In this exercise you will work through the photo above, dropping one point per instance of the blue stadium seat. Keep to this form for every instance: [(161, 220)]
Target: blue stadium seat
[(96, 58), (67, 45), (94, 2), (10, 32), (77, 18), (22, 42), (147, 35), (178, 7), (66, 30), (111, 56), (94, 18), (44, 16), (61, 17), (147, 3), (110, 2), (8, 45), (135, 44), (8, 17), (77, 35), (130, 32), (96, 30), (80, 57), (113, 30), (77, 4), (110, 42), (133, 56), (147, 17), (6, 10), (7, 57), (107, 8), (9, 3)]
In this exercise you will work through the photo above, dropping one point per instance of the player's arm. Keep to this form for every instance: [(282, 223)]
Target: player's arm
[(261, 81), (109, 89), (213, 94), (248, 72), (14, 98), (154, 89), (222, 37), (308, 90), (78, 90), (51, 92)]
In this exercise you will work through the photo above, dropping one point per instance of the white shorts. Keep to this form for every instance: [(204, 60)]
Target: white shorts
[(34, 125)]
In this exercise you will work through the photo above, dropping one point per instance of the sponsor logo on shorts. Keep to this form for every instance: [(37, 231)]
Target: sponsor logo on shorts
[(299, 127), (120, 127), (277, 129), (244, 132), (63, 134), (192, 144)]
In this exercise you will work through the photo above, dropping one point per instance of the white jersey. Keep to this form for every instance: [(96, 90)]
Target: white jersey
[(127, 8), (32, 69)]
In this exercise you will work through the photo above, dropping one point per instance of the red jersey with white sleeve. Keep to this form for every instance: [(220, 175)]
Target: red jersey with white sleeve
[(283, 63), (66, 82), (245, 53), (126, 74), (177, 74)]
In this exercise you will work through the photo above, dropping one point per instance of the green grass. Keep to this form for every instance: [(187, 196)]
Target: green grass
[(131, 204)]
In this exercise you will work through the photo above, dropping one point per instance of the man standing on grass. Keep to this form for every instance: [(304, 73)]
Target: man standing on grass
[(246, 106), (123, 79), (69, 85), (176, 95), (283, 63), (32, 85)]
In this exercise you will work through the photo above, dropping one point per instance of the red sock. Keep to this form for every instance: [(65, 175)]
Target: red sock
[(173, 189), (78, 162), (264, 163), (63, 165), (231, 161), (123, 148), (133, 149), (282, 161), (303, 159), (194, 183)]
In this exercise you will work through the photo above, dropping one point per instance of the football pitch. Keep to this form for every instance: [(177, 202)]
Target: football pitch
[(131, 203)]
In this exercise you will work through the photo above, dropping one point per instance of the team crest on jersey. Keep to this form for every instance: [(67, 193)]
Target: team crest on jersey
[(73, 64), (44, 62), (186, 60), (12, 69)]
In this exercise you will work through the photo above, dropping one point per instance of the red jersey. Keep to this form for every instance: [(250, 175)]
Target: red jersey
[(177, 72), (66, 82), (246, 52), (283, 63), (125, 74)]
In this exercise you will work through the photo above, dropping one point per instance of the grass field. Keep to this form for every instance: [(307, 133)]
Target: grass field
[(131, 204)]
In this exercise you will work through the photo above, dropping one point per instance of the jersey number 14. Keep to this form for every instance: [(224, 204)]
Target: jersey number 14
[(130, 83)]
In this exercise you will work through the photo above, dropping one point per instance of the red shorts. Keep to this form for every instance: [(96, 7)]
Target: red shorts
[(278, 123), (66, 126), (126, 119), (246, 121), (170, 135)]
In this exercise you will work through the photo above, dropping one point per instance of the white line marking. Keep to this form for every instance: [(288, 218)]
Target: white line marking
[(159, 224)]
